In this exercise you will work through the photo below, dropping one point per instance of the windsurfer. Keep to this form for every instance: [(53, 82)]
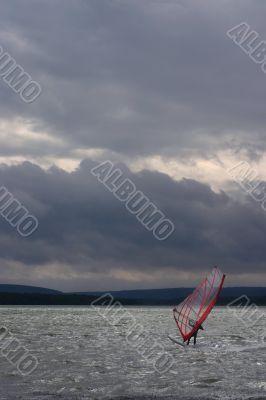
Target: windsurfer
[(195, 335), (191, 313)]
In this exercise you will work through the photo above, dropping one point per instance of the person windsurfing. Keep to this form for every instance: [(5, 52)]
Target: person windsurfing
[(195, 334), (191, 313)]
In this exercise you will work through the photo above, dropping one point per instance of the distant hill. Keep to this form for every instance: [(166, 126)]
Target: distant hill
[(171, 296), (20, 294), (45, 299), (26, 289)]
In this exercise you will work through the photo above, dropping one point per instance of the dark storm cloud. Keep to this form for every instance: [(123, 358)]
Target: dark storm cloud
[(83, 225), (138, 77)]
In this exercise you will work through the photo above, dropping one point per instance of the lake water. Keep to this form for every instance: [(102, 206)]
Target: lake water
[(83, 355)]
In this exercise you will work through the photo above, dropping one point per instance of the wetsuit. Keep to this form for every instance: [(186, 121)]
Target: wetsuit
[(195, 335)]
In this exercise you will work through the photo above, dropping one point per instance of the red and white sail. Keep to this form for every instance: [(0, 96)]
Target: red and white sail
[(193, 311)]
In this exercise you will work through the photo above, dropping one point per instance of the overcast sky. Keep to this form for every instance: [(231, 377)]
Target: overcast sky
[(157, 87)]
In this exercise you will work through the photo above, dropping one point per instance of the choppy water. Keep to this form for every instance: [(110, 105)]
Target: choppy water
[(82, 356)]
